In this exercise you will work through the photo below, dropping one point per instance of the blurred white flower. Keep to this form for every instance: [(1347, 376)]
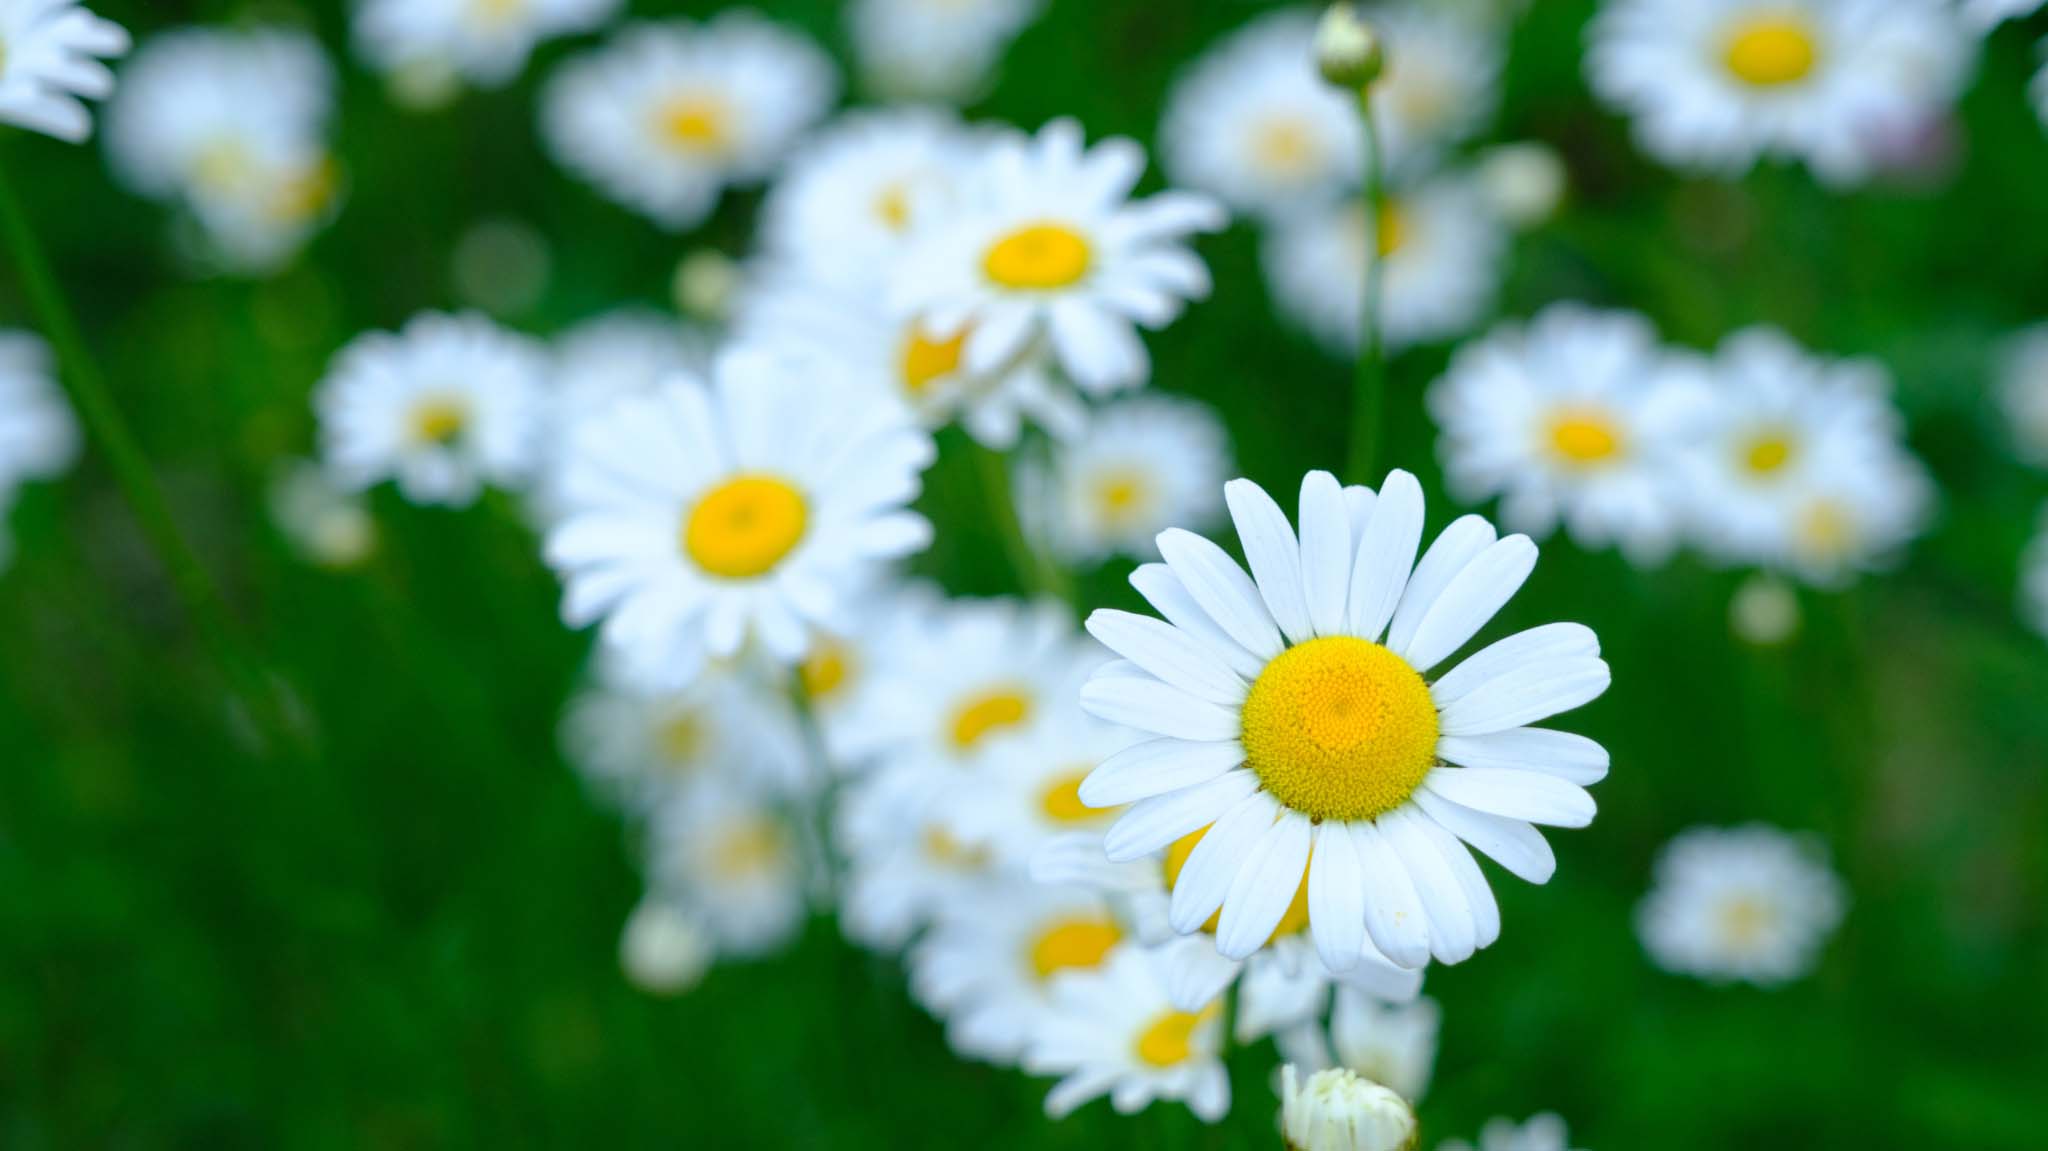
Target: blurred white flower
[(485, 42), (1524, 182), (725, 854), (904, 865), (703, 516), (1309, 751), (842, 678), (2023, 394), (1335, 1110), (1544, 1132), (1046, 251), (1748, 903), (1441, 82), (663, 949), (1145, 463), (1025, 788), (328, 526), (1573, 419), (666, 116), (50, 57), (1389, 1043), (2034, 579), (1715, 85), (38, 436), (1444, 249), (935, 49), (1112, 1031), (231, 125), (1764, 610)]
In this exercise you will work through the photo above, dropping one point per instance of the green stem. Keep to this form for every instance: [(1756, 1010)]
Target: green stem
[(820, 813), (1370, 384), (94, 402), (1039, 575)]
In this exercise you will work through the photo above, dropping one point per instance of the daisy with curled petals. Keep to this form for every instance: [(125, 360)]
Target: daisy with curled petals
[(1113, 1031), (1046, 248), (935, 49), (1390, 1043), (487, 42), (1714, 85), (442, 408), (1545, 1132), (1573, 419), (1296, 726), (726, 853), (705, 515), (667, 115), (1748, 903), (1143, 464), (50, 57)]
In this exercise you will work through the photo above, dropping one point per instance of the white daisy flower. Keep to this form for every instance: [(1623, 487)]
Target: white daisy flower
[(1799, 465), (852, 199), (1389, 1043), (38, 436), (1747, 903), (1545, 1132), (666, 116), (232, 126), (1336, 1110), (1291, 736), (1444, 250), (987, 964), (1048, 250), (1254, 125), (2034, 579), (1574, 420), (935, 49), (442, 408), (50, 53), (329, 527), (1441, 82), (904, 864), (842, 678), (2023, 394), (729, 857), (701, 516), (663, 949), (1715, 85), (1024, 790), (486, 42), (1113, 1031), (1143, 464)]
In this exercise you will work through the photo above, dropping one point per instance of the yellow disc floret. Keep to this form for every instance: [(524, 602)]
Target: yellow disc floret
[(1296, 916), (926, 361), (1039, 257), (1582, 437), (981, 715), (1340, 728), (1169, 1040), (699, 123), (1767, 453), (439, 420), (745, 526), (1073, 944), (1772, 51)]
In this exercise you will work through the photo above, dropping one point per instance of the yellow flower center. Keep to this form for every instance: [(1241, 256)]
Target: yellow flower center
[(1772, 51), (1767, 453), (927, 361), (1169, 1040), (1393, 229), (439, 420), (1582, 437), (680, 739), (1292, 921), (1061, 800), (307, 193), (893, 207), (1340, 728), (749, 847), (1122, 495), (1039, 257), (979, 716), (745, 526), (1744, 920), (697, 124), (1073, 944), (827, 670), (1285, 147), (942, 849)]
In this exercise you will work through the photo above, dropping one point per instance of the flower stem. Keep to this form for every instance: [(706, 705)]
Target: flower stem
[(1039, 575), (83, 382), (1369, 385)]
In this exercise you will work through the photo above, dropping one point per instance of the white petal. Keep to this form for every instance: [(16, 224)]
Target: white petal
[(1458, 546), (1393, 911), (1213, 865), (1513, 844), (1549, 642), (1529, 693), (1559, 753), (1386, 555), (1325, 551), (1215, 582), (1151, 825), (1274, 555), (1169, 653), (1478, 896), (1196, 974), (1163, 589), (1264, 888), (1453, 936), (1523, 795), (1469, 598), (1336, 898), (1156, 767), (1148, 705)]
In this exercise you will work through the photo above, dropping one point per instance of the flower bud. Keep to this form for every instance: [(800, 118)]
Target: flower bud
[(663, 950), (1338, 1111), (705, 284), (1348, 49)]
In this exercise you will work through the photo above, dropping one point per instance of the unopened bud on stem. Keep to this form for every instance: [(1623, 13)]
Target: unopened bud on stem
[(1349, 52), (1337, 1110)]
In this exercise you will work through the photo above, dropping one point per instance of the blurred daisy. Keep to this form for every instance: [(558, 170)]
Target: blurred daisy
[(663, 949), (987, 965), (1144, 464), (2023, 394), (904, 864), (700, 516), (484, 41), (935, 49), (1572, 419), (1799, 465), (624, 353), (1335, 1110), (637, 748), (1443, 248), (1254, 125), (841, 678), (851, 200), (1544, 1132), (666, 116), (38, 436), (729, 857), (1281, 724), (1048, 250), (2034, 579), (50, 52), (1025, 789), (1747, 903), (442, 408), (1390, 1043), (232, 126), (1714, 85), (1441, 81), (1112, 1031), (327, 526)]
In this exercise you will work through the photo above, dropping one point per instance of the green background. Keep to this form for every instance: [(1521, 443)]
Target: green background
[(406, 937)]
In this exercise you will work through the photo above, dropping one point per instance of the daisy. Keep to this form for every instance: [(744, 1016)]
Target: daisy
[(1289, 735), (1748, 903), (1572, 419), (231, 125), (1024, 790), (1252, 124), (701, 516), (935, 49), (667, 115), (1545, 1132), (2034, 579), (1441, 82), (1113, 1031), (725, 854), (2023, 394), (849, 203), (987, 965), (1389, 1043), (1338, 1111), (484, 41), (1715, 85), (38, 436), (50, 53), (1443, 246), (1047, 248), (842, 678), (327, 526), (619, 354), (1143, 464), (663, 949), (904, 864), (442, 408)]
